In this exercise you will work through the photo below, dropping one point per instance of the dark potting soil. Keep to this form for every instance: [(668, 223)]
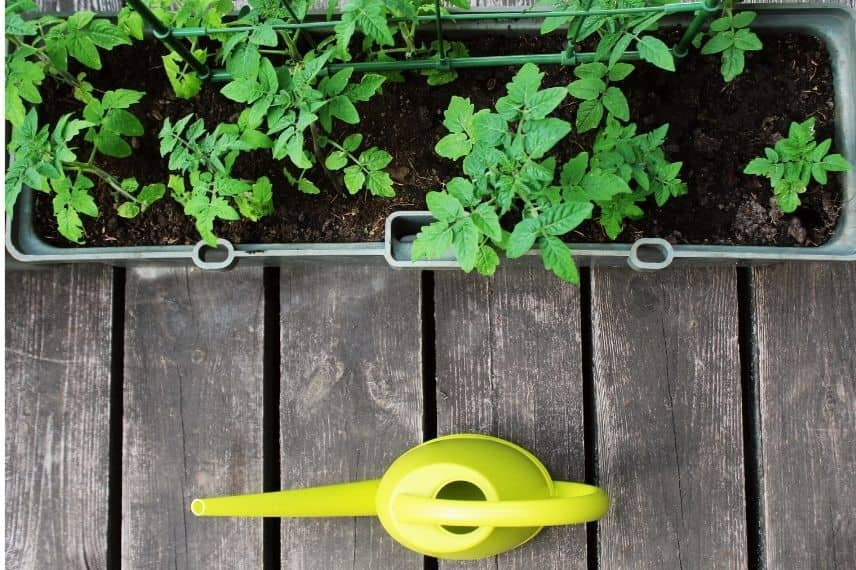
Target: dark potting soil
[(716, 128)]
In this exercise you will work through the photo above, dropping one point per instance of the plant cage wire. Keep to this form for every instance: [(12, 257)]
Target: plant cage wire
[(702, 11)]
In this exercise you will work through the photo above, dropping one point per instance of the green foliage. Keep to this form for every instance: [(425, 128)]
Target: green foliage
[(111, 121), (730, 35), (597, 94), (794, 161), (203, 183)]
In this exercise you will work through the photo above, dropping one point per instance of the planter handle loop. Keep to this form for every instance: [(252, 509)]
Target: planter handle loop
[(219, 265), (657, 254)]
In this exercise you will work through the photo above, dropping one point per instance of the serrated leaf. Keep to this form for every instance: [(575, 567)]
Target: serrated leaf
[(375, 158), (264, 35), (654, 51), (587, 89), (788, 200), (124, 123), (454, 146), (461, 189), (487, 221), (620, 71), (81, 48), (121, 98), (522, 237), (589, 115), (543, 135), (543, 102), (336, 160), (128, 210), (112, 145), (458, 117), (563, 218), (574, 169), (106, 35), (352, 142), (594, 70), (603, 186), (368, 86), (835, 163), (241, 90), (151, 193), (354, 179), (616, 103), (433, 241), (524, 84), (733, 63), (307, 186), (465, 241), (718, 43), (557, 258), (342, 108), (444, 206), (620, 47), (486, 261), (747, 40), (743, 19), (488, 128), (819, 174)]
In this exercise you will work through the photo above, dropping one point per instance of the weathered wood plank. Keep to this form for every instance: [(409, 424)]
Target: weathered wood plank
[(805, 317), (668, 402), (351, 401), (508, 364), (192, 415), (58, 330)]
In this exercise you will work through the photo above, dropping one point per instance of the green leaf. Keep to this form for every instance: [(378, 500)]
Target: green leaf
[(375, 158), (747, 40), (654, 51), (371, 20), (379, 183), (244, 63), (465, 241), (718, 43), (589, 115), (151, 193), (542, 135), (488, 128), (342, 108), (433, 241), (603, 186), (459, 115), (565, 217), (543, 102), (733, 63), (121, 98), (68, 221), (486, 261), (223, 210), (128, 210), (574, 169), (620, 71), (620, 47), (487, 221), (112, 145), (307, 186), (595, 70), (242, 90), (454, 146), (354, 179), (721, 24), (336, 83), (461, 189), (587, 89), (788, 200), (444, 206), (368, 86), (557, 258), (836, 163), (616, 103), (336, 160), (522, 237), (81, 48), (352, 142), (264, 35), (525, 83), (106, 35), (819, 173), (124, 123), (743, 19)]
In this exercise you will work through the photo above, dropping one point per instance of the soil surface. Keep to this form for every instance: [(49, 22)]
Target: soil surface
[(715, 129)]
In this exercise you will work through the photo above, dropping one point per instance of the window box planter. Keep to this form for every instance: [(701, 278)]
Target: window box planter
[(836, 26)]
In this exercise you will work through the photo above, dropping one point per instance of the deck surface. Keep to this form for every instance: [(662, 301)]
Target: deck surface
[(716, 406)]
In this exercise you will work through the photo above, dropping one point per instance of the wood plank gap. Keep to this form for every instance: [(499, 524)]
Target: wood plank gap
[(429, 373), (752, 444), (589, 408), (117, 412), (271, 527)]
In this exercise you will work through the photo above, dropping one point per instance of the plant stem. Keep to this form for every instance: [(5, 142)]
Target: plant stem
[(316, 148), (103, 175)]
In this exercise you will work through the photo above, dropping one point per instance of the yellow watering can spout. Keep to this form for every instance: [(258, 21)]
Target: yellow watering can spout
[(456, 497), (343, 500)]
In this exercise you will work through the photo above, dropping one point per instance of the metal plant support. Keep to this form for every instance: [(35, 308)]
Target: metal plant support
[(702, 10)]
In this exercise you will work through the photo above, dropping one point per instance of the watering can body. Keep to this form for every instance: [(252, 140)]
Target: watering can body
[(455, 497)]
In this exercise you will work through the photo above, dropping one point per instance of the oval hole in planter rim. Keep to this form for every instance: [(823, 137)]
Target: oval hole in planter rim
[(213, 258)]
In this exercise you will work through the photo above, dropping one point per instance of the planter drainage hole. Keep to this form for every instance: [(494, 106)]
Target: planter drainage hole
[(650, 254), (214, 258), (460, 491)]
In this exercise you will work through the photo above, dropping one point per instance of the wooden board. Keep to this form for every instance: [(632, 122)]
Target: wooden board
[(508, 364), (192, 415), (58, 329), (351, 401), (667, 395), (807, 375)]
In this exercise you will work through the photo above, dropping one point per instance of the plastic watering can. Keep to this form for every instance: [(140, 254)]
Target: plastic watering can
[(458, 497)]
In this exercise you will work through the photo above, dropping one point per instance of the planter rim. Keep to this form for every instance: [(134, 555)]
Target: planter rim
[(835, 24)]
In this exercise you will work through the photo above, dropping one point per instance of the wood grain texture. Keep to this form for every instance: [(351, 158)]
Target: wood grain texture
[(669, 420), (805, 317), (58, 330), (508, 364), (351, 401), (192, 415)]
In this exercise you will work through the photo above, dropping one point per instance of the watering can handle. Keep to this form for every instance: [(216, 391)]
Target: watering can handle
[(573, 503)]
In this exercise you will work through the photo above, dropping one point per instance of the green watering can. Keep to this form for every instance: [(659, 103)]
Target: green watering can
[(457, 497)]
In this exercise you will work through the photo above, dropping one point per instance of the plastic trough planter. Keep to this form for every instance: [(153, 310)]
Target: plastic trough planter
[(835, 25)]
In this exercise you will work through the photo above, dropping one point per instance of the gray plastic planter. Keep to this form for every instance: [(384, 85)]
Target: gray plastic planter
[(835, 25)]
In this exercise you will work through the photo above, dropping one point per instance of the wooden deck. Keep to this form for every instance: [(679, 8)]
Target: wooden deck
[(716, 406)]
